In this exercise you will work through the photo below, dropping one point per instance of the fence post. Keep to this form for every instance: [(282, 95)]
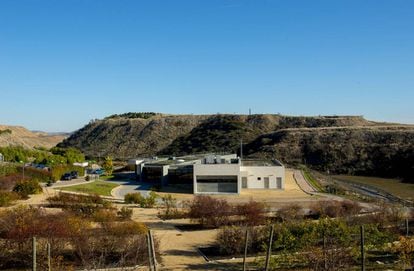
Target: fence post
[(362, 249), (149, 252), (154, 258), (246, 240), (325, 262), (269, 248), (407, 229), (48, 257), (34, 253)]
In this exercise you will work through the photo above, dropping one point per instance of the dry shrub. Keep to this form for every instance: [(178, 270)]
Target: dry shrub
[(333, 258), (83, 205), (254, 213), (125, 213), (8, 182), (74, 239), (209, 212), (231, 239), (405, 250), (291, 212), (7, 198), (169, 209), (335, 208), (105, 215)]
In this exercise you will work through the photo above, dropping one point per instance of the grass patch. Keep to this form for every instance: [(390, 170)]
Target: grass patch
[(104, 177), (308, 176), (392, 186), (97, 187)]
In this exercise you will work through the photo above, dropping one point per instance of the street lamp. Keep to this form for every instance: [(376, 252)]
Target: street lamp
[(23, 168)]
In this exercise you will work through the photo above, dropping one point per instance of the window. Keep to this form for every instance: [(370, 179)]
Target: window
[(259, 178)]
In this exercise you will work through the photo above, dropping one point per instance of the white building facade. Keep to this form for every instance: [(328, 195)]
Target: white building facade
[(229, 175)]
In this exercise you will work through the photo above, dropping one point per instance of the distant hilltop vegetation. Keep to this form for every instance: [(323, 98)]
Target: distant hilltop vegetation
[(340, 144)]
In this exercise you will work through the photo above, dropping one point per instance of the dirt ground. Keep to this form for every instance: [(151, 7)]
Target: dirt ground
[(291, 193)]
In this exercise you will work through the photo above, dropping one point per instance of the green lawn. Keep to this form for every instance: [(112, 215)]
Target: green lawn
[(392, 186), (97, 187)]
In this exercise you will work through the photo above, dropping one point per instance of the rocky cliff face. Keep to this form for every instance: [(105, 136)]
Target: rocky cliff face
[(347, 144)]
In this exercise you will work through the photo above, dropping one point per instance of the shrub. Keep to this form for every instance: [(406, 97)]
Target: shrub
[(133, 198), (82, 205), (7, 169), (210, 212), (104, 215), (125, 213), (59, 170), (336, 208), (34, 173), (291, 212), (137, 198), (231, 240), (75, 240), (149, 201), (169, 208), (8, 182), (6, 198), (254, 213), (27, 187)]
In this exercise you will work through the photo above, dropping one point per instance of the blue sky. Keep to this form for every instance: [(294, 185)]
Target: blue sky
[(65, 62)]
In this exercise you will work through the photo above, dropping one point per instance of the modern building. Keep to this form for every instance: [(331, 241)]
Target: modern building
[(212, 174)]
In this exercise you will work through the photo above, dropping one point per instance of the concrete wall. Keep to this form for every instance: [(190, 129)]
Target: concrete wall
[(254, 172), (215, 170)]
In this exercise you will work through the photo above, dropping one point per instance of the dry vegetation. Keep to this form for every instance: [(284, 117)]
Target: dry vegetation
[(21, 136), (87, 232)]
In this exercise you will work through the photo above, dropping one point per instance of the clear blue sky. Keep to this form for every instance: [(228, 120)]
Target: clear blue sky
[(65, 62)]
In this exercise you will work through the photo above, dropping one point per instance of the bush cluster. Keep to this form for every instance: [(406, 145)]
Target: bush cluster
[(143, 202), (7, 198), (81, 205), (27, 187), (76, 241), (211, 212), (59, 170), (169, 209)]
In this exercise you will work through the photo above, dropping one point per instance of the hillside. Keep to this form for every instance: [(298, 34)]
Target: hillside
[(378, 150), (342, 144), (131, 137), (17, 135)]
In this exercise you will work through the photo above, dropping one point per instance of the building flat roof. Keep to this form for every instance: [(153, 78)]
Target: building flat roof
[(261, 163)]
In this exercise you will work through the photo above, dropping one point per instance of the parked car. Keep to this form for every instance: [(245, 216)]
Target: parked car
[(99, 171), (74, 174), (66, 177)]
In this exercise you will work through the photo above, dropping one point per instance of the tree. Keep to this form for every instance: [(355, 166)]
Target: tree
[(108, 165)]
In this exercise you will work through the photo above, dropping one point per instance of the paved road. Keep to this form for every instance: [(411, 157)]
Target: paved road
[(129, 186), (69, 183), (302, 183)]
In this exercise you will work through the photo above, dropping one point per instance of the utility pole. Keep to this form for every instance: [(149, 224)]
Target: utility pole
[(241, 149)]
